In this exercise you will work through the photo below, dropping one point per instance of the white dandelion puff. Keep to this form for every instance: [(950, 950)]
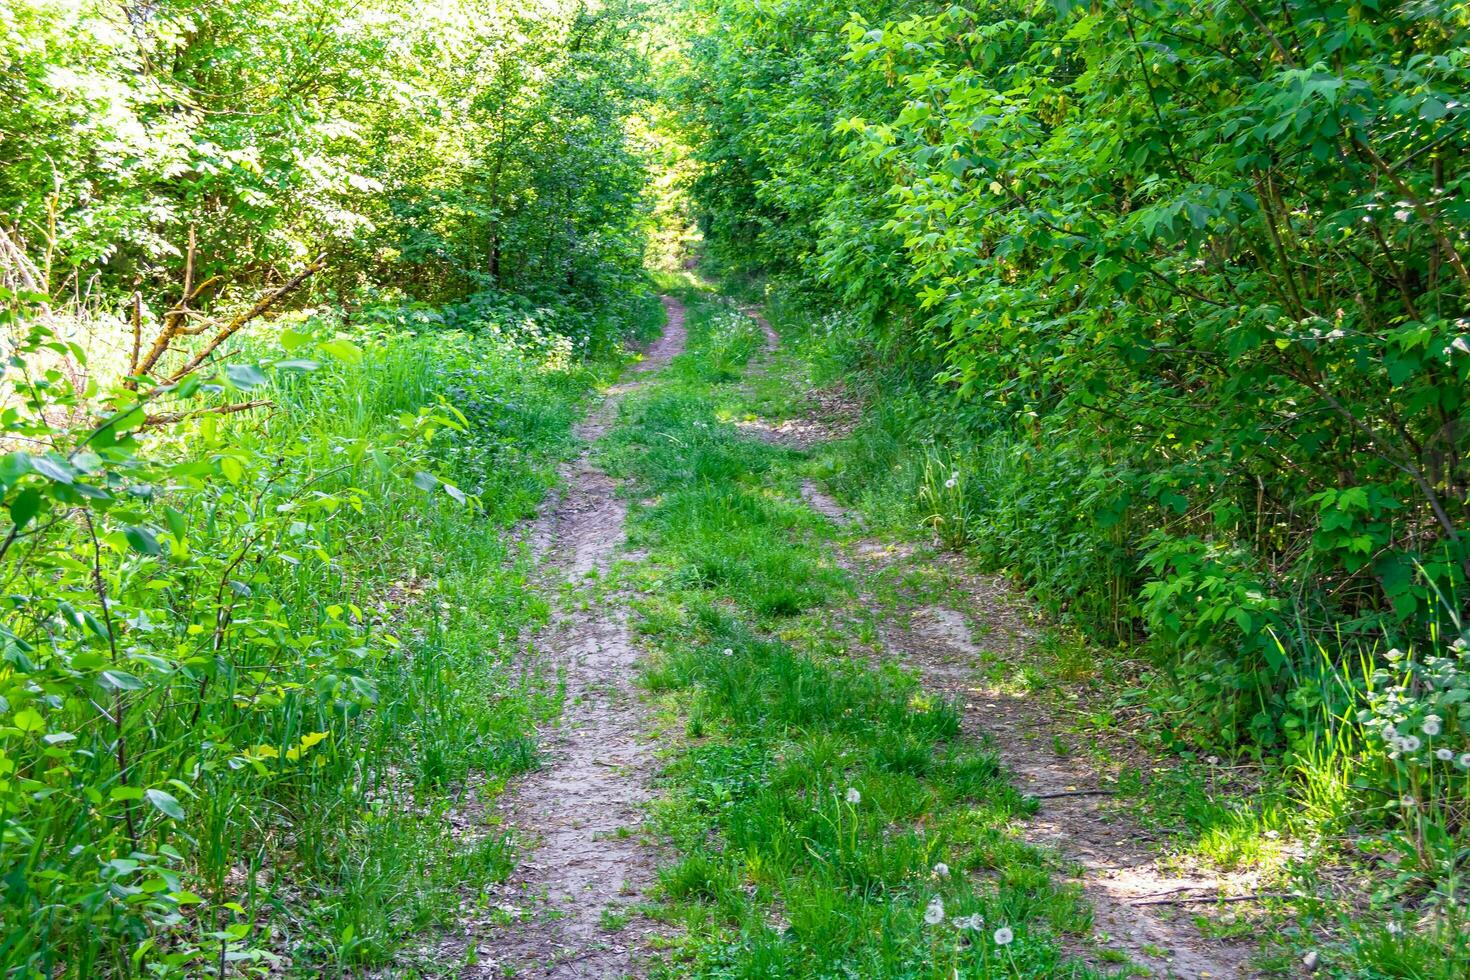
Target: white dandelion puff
[(1443, 755), (853, 796), (1411, 743), (1432, 725), (942, 870), (1003, 936), (934, 911), (951, 483), (1464, 760)]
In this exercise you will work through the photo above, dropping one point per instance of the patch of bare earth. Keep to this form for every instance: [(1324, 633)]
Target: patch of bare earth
[(572, 898)]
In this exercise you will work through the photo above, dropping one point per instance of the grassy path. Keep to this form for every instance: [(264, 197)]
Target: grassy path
[(836, 800), (838, 786)]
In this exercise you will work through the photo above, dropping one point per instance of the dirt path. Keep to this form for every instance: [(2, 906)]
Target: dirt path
[(576, 889), (1116, 867)]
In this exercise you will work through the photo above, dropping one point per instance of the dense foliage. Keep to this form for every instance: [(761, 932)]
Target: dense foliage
[(1193, 274), (434, 149), (295, 300)]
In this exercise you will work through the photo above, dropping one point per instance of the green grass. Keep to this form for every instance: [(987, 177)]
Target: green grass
[(815, 792), (320, 674)]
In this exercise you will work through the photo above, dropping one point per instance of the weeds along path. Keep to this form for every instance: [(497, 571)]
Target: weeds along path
[(583, 808)]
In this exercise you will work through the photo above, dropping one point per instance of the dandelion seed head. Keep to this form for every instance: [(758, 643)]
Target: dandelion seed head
[(934, 911), (853, 796), (1411, 743), (951, 483), (1433, 725), (941, 869), (1003, 936), (1443, 755)]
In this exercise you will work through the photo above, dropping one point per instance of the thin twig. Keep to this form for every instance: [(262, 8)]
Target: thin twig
[(1073, 792), (1202, 899)]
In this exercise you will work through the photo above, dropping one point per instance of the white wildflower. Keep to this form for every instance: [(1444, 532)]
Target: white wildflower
[(1213, 760), (970, 922), (1411, 743), (951, 483), (1003, 936), (853, 796), (934, 911), (1443, 755), (1394, 928), (1432, 725), (1464, 761), (1402, 214), (729, 652), (941, 869)]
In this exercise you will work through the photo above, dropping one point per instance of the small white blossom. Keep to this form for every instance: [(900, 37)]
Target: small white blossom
[(1464, 761), (1213, 760), (1443, 755), (941, 869), (951, 483), (970, 922), (729, 652), (1411, 743), (1432, 725), (853, 796), (934, 911), (1003, 936), (1402, 214)]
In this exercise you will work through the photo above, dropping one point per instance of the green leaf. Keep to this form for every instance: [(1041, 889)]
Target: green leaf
[(53, 467), (143, 540), (121, 680), (245, 375), (343, 350), (165, 803), (425, 481), (25, 506), (28, 720)]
